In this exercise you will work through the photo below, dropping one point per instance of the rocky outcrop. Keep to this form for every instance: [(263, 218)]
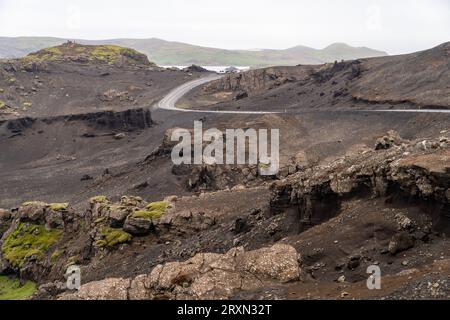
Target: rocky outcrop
[(5, 221), (127, 120), (392, 138), (29, 234), (195, 68), (205, 276), (256, 81), (415, 171)]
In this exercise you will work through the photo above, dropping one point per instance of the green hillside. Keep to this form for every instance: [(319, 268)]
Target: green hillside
[(176, 53)]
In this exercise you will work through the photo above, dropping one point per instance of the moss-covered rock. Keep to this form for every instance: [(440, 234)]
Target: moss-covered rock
[(28, 241), (108, 54), (113, 237), (153, 210), (58, 206), (131, 201), (2, 105), (12, 289), (98, 199)]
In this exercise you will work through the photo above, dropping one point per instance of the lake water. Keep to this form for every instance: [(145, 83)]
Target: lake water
[(218, 69)]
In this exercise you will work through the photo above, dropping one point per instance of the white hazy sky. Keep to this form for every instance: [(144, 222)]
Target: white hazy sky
[(396, 26)]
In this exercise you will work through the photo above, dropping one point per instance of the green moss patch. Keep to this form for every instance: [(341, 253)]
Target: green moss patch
[(58, 206), (11, 289), (28, 241), (2, 105), (153, 210), (98, 199), (113, 237)]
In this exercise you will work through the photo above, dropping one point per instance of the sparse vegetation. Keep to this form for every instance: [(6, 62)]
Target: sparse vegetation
[(153, 210), (28, 241), (55, 255), (2, 105), (113, 237), (27, 104), (12, 289)]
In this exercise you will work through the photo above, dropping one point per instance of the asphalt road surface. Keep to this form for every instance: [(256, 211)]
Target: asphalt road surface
[(170, 100)]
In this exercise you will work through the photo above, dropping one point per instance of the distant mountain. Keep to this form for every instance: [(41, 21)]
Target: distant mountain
[(176, 53)]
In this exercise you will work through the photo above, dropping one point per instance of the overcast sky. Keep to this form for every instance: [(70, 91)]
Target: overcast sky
[(395, 26)]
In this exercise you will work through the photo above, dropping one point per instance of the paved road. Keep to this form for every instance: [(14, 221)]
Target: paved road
[(412, 110), (170, 100)]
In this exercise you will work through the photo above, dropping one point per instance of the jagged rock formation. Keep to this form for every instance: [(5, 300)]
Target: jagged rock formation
[(253, 82), (416, 171)]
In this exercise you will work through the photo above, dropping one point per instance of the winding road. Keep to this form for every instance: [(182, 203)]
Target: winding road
[(170, 100)]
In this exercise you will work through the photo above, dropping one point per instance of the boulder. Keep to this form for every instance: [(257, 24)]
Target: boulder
[(400, 242), (54, 218), (137, 226), (204, 276), (33, 212), (5, 215), (108, 289), (117, 215), (278, 262), (392, 138)]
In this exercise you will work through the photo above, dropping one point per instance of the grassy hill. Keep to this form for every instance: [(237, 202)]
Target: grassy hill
[(176, 53), (110, 54)]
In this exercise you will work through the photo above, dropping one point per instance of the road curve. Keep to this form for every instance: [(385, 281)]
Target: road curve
[(170, 100)]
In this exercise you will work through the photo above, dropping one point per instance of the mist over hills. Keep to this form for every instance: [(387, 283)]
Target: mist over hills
[(177, 53)]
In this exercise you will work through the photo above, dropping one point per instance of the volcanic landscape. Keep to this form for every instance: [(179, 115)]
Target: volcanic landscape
[(87, 178)]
